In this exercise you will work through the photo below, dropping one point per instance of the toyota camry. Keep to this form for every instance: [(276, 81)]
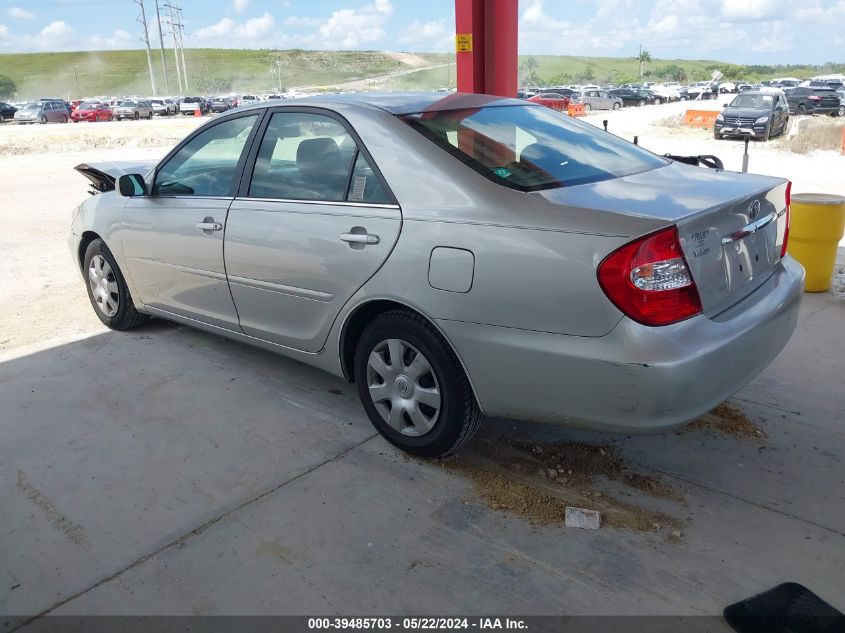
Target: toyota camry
[(455, 258)]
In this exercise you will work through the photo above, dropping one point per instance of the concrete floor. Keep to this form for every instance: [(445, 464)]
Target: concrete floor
[(166, 471)]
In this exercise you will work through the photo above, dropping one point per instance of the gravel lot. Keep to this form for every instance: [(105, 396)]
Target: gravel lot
[(167, 471)]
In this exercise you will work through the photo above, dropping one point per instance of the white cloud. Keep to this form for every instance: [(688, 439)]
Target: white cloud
[(250, 33), (240, 5), (753, 10), (20, 14), (58, 33), (4, 32), (428, 36), (348, 28)]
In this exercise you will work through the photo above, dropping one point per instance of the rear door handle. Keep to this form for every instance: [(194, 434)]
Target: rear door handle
[(208, 224), (359, 238)]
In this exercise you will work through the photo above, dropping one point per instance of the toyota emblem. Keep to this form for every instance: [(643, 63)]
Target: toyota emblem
[(754, 209)]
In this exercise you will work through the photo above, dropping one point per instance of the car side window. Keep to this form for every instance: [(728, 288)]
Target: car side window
[(364, 186), (303, 156), (206, 165)]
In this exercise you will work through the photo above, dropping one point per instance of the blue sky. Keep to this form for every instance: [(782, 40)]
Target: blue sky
[(740, 31)]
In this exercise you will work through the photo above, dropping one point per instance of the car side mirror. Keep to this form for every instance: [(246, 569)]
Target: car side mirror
[(724, 105), (131, 185)]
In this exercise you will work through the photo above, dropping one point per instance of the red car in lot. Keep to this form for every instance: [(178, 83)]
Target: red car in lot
[(91, 111), (552, 100)]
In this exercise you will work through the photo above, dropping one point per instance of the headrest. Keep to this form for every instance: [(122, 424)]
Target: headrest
[(315, 155)]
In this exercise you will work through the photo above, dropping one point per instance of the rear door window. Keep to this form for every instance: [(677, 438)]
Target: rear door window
[(304, 156)]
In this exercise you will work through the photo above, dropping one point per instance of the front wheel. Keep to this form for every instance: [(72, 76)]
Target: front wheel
[(413, 387), (802, 109), (640, 103), (107, 289), (841, 111), (43, 120), (616, 106)]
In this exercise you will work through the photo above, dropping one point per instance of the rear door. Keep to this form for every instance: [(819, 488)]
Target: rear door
[(314, 220)]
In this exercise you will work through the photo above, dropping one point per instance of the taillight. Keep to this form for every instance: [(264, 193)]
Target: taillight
[(649, 280), (814, 98), (786, 228)]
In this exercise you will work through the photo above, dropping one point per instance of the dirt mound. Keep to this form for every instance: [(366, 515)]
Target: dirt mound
[(536, 481), (728, 419)]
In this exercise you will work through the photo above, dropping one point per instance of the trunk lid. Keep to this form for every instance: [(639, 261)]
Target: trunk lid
[(731, 225)]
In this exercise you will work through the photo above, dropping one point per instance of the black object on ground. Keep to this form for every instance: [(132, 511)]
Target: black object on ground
[(787, 608)]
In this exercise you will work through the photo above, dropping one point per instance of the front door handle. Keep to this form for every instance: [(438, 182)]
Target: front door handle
[(359, 238), (208, 224)]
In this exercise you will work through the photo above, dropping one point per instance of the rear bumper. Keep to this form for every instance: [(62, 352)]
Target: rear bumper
[(637, 378)]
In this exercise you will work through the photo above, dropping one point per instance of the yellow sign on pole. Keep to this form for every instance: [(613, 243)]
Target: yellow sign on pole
[(463, 43)]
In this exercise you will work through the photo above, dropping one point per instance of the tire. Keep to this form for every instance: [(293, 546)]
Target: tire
[(2, 118), (616, 106), (447, 421), (640, 103), (110, 287), (802, 109), (587, 107), (767, 134), (137, 116), (65, 120), (840, 112), (43, 120), (717, 136), (150, 116)]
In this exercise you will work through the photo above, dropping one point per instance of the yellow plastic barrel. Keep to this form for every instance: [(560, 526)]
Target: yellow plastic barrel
[(817, 223)]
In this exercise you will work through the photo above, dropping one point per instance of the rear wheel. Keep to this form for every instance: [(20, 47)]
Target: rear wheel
[(587, 107), (413, 387), (841, 111), (107, 289), (616, 105), (802, 109), (43, 120), (641, 103), (137, 116), (150, 116)]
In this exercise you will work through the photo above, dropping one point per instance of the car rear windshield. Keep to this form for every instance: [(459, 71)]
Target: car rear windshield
[(753, 101), (531, 147), (88, 105), (128, 104)]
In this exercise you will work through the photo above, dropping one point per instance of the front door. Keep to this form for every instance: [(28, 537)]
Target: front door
[(173, 243), (313, 223)]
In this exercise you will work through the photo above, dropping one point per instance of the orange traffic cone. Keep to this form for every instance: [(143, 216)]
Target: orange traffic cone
[(198, 111)]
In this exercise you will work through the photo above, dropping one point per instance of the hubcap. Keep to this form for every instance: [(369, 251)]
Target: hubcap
[(103, 286), (403, 387)]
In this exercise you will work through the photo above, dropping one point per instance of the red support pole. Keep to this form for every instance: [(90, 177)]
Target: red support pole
[(486, 39)]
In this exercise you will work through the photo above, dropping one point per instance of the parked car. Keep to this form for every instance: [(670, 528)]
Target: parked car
[(744, 87), (553, 100), (249, 100), (161, 107), (667, 94), (575, 277), (189, 105), (91, 111), (630, 97), (600, 100), (220, 104), (133, 109), (7, 111), (759, 115), (806, 100), (841, 94), (43, 112)]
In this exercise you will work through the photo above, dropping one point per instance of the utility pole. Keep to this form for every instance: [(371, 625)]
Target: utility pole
[(278, 64), (146, 39), (161, 43), (641, 62), (172, 26), (178, 42), (75, 74)]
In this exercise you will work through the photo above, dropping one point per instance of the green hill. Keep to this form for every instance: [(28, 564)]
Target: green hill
[(224, 70)]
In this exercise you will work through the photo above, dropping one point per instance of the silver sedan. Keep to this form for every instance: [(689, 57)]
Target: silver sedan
[(455, 257)]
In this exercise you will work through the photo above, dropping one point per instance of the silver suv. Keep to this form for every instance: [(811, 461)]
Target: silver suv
[(133, 109)]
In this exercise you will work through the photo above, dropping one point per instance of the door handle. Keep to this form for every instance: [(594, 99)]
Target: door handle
[(208, 224), (359, 238)]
